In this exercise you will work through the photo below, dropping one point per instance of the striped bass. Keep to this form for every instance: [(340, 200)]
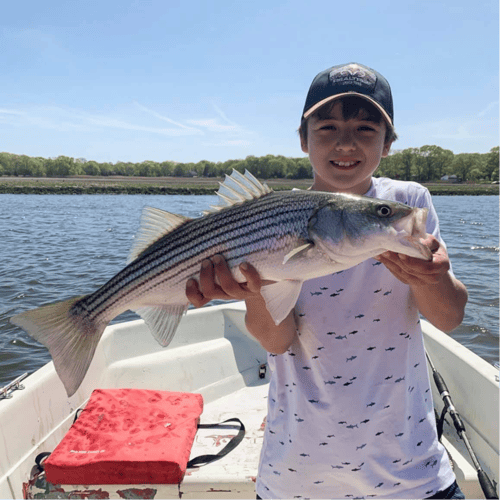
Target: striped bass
[(289, 237)]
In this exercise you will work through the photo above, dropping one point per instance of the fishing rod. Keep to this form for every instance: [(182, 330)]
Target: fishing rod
[(484, 480)]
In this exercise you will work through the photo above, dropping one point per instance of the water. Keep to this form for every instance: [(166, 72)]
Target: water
[(55, 247), (469, 225)]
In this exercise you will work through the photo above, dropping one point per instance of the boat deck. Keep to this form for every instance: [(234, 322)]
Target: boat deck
[(213, 355), (233, 476)]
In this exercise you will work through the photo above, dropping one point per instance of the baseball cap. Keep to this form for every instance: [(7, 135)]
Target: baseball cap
[(350, 79)]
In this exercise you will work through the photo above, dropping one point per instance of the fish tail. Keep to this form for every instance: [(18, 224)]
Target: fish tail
[(70, 335)]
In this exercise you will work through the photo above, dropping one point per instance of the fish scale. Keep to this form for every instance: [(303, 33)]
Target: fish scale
[(288, 237), (242, 237)]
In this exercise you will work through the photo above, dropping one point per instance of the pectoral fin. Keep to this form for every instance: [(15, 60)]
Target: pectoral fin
[(297, 251), (280, 298)]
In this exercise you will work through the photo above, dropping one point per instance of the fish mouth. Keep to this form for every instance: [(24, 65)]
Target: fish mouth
[(411, 231)]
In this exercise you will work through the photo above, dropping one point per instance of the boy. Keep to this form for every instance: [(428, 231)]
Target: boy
[(350, 412)]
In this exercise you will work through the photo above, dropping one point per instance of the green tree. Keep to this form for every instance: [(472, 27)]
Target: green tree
[(38, 167), (180, 170), (390, 166), (124, 168), (419, 166), (107, 169), (475, 174), (406, 163), (22, 165), (91, 168), (205, 168), (148, 169), (50, 168), (252, 164), (64, 166), (277, 167), (6, 163), (304, 169), (167, 168), (462, 165), (490, 165), (210, 169), (227, 167), (436, 161)]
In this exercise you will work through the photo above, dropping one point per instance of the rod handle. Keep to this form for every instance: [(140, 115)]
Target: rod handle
[(486, 485), (440, 383), (445, 395)]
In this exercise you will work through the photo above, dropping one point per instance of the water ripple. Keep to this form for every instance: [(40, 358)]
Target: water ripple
[(489, 249), (56, 247)]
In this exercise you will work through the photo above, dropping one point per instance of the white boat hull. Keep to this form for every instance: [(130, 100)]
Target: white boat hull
[(213, 354)]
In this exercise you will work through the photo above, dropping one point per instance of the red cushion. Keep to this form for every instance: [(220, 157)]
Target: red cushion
[(128, 436)]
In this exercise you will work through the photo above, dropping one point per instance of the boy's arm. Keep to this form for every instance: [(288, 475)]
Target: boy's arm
[(440, 297), (217, 282)]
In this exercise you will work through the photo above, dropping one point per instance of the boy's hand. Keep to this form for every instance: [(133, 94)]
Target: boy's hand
[(439, 296), (413, 271), (217, 282)]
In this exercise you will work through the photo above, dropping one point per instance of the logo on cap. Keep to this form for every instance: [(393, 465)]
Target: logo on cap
[(353, 74)]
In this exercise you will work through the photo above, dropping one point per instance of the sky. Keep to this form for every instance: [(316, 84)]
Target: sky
[(191, 80)]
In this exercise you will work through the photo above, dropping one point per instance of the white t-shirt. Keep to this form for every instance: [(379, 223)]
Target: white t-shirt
[(350, 412)]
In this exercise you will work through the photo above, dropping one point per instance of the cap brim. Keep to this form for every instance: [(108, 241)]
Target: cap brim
[(318, 105)]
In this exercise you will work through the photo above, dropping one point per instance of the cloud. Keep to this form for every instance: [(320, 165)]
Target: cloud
[(223, 116), (491, 106), (467, 133), (457, 130), (443, 130), (161, 117), (221, 124), (237, 142), (213, 125), (68, 119), (128, 124), (10, 112), (114, 123)]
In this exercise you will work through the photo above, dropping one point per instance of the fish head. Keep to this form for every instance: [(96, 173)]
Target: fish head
[(353, 228)]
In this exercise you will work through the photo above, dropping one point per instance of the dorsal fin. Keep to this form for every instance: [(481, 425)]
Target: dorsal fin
[(155, 223), (238, 188)]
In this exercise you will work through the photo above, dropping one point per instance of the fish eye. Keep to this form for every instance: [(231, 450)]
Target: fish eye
[(383, 210)]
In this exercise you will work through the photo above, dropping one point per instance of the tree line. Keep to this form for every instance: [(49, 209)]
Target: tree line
[(431, 163), (425, 164)]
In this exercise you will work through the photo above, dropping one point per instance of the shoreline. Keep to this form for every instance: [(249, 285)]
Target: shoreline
[(186, 186)]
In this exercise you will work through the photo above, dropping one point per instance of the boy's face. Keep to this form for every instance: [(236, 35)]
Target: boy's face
[(344, 154)]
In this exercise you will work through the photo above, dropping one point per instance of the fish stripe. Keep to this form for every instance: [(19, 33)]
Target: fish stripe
[(238, 232), (267, 231)]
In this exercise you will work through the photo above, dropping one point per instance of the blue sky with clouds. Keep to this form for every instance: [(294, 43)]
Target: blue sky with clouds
[(186, 80)]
